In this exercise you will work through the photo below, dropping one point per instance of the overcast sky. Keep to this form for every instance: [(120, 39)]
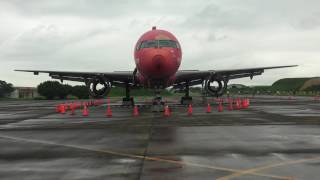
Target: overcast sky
[(99, 35)]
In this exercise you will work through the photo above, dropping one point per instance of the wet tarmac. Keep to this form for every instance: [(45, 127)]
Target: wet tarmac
[(275, 138)]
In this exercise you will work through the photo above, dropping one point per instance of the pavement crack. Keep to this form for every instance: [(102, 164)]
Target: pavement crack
[(145, 152)]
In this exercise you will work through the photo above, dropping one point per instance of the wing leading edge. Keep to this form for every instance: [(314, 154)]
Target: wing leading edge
[(195, 77)]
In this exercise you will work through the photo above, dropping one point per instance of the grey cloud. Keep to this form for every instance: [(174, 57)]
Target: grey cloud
[(99, 35), (42, 40), (310, 22), (252, 14), (95, 8), (216, 17), (84, 8)]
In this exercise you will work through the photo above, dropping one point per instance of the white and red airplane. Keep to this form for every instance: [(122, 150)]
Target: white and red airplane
[(157, 56)]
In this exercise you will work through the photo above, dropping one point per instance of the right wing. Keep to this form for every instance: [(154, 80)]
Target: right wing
[(195, 77)]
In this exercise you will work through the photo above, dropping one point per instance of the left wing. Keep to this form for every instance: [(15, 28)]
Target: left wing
[(194, 77), (116, 78)]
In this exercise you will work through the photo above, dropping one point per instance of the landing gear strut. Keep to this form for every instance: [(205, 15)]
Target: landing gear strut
[(186, 99), (157, 103), (128, 101)]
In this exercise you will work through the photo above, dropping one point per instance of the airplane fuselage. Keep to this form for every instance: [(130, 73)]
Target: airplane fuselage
[(157, 56)]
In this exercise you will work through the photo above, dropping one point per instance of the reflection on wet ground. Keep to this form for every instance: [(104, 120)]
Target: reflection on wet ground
[(276, 138)]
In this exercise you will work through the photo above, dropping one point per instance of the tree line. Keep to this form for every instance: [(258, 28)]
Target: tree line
[(56, 90), (5, 88)]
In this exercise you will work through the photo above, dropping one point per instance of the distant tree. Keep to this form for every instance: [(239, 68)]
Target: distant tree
[(80, 91), (49, 89), (5, 88), (54, 89), (64, 91)]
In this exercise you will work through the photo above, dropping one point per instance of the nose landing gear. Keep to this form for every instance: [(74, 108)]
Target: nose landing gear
[(157, 103), (187, 99)]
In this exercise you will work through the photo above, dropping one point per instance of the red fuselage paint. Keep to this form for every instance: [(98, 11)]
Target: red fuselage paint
[(157, 66)]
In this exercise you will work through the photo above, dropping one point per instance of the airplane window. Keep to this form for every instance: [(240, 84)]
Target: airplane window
[(158, 43), (167, 43), (149, 44)]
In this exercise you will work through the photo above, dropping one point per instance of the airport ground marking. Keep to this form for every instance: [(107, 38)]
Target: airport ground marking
[(269, 166), (235, 171)]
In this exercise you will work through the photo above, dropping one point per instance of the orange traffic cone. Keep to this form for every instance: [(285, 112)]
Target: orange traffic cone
[(190, 110), (208, 108), (62, 109), (109, 112), (220, 108), (85, 111), (245, 103), (244, 106), (135, 111), (166, 111)]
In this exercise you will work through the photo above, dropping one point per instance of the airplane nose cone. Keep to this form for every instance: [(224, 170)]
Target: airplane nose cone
[(158, 62)]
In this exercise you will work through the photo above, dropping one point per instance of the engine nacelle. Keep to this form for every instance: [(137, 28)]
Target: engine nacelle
[(93, 89), (215, 85)]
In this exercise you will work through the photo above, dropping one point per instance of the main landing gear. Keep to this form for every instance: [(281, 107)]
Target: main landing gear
[(127, 100), (187, 99)]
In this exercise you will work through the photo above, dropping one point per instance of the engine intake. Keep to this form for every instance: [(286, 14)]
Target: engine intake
[(93, 87), (215, 85)]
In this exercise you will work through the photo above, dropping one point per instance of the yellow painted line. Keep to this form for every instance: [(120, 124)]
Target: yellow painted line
[(257, 169), (236, 171)]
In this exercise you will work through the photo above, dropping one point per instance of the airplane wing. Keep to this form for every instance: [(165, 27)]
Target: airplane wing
[(195, 77), (117, 77)]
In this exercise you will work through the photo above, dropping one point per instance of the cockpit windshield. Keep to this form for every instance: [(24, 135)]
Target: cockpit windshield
[(149, 44), (167, 43), (158, 43)]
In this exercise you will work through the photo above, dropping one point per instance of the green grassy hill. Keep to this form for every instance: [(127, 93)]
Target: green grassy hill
[(313, 88), (289, 84), (284, 86)]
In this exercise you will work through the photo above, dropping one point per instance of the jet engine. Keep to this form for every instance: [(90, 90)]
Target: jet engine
[(215, 85), (98, 87)]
